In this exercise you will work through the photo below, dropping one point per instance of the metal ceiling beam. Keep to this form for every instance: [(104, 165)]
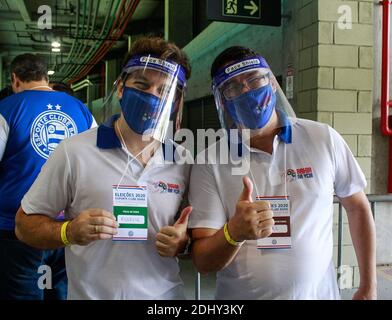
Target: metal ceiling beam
[(24, 49), (23, 11), (16, 52)]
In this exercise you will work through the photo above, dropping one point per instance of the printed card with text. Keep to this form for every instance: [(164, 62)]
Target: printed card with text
[(130, 210), (281, 236)]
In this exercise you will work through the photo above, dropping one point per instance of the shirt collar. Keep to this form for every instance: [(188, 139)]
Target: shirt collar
[(286, 133), (108, 139), (106, 136)]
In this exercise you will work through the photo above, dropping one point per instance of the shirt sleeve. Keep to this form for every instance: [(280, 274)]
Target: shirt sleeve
[(93, 123), (208, 210), (51, 191), (4, 132), (349, 178)]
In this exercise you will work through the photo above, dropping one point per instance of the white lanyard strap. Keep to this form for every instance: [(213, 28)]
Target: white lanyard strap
[(284, 174), (124, 146)]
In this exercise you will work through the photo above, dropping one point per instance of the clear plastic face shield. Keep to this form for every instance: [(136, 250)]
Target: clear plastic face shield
[(150, 94), (248, 96)]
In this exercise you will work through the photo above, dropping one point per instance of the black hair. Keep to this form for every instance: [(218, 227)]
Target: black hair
[(229, 55), (163, 49), (29, 67), (6, 92), (62, 87)]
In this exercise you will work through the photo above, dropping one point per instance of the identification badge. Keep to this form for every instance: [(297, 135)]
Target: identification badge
[(130, 210), (281, 231)]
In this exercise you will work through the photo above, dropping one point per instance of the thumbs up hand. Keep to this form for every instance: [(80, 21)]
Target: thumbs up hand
[(251, 220), (172, 240)]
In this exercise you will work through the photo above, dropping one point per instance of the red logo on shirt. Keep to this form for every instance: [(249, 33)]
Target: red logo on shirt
[(300, 173), (166, 187)]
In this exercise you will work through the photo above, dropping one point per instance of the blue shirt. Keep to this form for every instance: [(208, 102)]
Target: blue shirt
[(32, 124)]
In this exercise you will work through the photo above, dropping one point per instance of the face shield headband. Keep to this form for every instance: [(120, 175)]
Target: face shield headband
[(153, 62)]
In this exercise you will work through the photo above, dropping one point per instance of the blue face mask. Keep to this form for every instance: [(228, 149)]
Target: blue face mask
[(252, 109), (140, 109)]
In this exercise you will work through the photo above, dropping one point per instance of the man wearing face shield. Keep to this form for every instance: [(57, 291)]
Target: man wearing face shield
[(120, 195), (269, 234)]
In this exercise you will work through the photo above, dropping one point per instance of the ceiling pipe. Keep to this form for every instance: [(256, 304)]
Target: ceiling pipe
[(106, 46), (80, 50), (91, 51), (80, 85), (77, 33)]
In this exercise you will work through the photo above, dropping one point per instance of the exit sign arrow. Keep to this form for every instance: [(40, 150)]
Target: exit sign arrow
[(253, 7), (262, 12)]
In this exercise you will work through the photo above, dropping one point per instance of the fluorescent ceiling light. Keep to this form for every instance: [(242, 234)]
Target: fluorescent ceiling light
[(55, 49), (50, 72), (56, 44)]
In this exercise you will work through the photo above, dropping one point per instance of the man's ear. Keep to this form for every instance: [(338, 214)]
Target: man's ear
[(120, 86), (15, 82), (273, 85)]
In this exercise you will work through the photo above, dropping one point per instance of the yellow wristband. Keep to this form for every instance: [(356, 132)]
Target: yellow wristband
[(229, 239), (64, 233)]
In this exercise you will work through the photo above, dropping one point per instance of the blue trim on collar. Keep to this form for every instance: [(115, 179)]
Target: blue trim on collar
[(286, 134), (107, 139), (106, 135), (166, 148)]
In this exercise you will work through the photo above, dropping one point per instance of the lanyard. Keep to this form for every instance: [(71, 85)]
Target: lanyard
[(124, 147), (284, 175)]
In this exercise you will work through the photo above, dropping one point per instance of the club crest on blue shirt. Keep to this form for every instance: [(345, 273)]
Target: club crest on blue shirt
[(49, 129)]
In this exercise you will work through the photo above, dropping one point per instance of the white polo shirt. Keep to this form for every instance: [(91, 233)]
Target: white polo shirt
[(79, 175), (306, 271)]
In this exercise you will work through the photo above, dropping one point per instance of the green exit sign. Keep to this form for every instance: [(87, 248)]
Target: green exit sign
[(264, 12), (242, 8)]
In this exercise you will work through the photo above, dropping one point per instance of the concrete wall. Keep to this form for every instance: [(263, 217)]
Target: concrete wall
[(221, 35), (336, 72)]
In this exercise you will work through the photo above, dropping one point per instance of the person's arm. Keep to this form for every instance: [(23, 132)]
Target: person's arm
[(93, 123), (349, 184), (50, 193), (43, 232), (211, 251), (363, 234)]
